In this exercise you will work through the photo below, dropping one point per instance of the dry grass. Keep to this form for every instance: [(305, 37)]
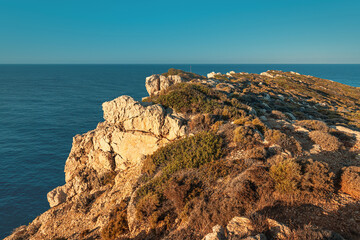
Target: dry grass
[(258, 152), (201, 122), (288, 143), (118, 224), (314, 125), (326, 141), (245, 137), (286, 175), (317, 180), (350, 181)]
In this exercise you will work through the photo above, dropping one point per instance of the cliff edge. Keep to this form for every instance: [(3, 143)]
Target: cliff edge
[(228, 156)]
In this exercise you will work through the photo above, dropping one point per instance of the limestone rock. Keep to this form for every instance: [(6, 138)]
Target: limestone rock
[(239, 227), (56, 196), (156, 83), (132, 115), (217, 234), (256, 237), (266, 74), (278, 230), (213, 74), (131, 131), (152, 84)]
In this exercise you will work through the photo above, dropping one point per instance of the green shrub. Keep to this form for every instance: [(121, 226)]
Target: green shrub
[(245, 137), (187, 97), (198, 98), (190, 152), (286, 175), (187, 153), (183, 74)]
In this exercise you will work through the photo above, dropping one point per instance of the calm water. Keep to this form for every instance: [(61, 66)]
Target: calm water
[(43, 106)]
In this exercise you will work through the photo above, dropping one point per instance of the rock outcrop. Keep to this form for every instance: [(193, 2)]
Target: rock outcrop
[(128, 125), (157, 83)]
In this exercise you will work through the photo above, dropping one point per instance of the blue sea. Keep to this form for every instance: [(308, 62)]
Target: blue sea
[(43, 106)]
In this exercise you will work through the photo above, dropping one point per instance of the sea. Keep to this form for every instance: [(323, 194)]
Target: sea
[(43, 106)]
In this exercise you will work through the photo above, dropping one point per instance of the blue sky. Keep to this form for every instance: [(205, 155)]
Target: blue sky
[(107, 31)]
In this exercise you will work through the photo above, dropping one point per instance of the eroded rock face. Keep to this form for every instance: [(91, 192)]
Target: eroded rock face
[(131, 131), (132, 115), (56, 196), (156, 83), (103, 167)]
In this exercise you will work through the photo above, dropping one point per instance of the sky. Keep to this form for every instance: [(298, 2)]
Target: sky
[(196, 31)]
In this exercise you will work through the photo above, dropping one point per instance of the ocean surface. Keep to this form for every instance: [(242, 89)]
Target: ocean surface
[(43, 106)]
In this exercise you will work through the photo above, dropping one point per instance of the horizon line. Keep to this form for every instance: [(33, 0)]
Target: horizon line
[(178, 63)]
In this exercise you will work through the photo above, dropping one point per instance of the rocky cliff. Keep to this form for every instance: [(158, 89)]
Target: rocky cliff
[(233, 156)]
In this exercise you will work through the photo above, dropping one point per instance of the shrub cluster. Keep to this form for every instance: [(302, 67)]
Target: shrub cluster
[(188, 153), (183, 74), (198, 98), (118, 224), (288, 143), (314, 125), (201, 122), (286, 175), (317, 179), (310, 178), (245, 137), (326, 141), (189, 98)]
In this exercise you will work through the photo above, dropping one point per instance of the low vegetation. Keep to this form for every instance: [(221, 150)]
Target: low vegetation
[(326, 141), (183, 74), (245, 154), (286, 175), (117, 224)]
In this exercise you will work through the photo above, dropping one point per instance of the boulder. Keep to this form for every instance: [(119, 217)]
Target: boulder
[(56, 196), (156, 83), (152, 84), (256, 237), (239, 227), (266, 74), (132, 115), (217, 234), (213, 74), (278, 230)]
